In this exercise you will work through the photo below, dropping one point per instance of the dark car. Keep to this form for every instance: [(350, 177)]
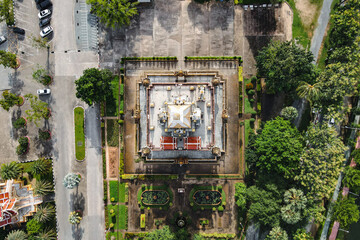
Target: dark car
[(38, 1), (18, 30), (44, 22), (45, 4)]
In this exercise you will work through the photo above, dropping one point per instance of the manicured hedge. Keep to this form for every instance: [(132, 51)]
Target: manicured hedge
[(124, 59), (219, 58), (79, 133)]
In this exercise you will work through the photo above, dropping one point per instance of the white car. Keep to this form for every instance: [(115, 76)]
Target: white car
[(46, 31), (44, 13), (2, 39), (45, 91)]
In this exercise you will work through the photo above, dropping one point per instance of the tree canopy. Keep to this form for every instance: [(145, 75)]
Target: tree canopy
[(279, 147), (285, 65), (9, 100), (39, 109), (321, 161), (289, 113), (115, 13), (94, 85), (346, 212), (161, 234), (277, 233)]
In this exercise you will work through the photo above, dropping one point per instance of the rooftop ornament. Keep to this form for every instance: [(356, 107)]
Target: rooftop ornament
[(146, 82), (180, 73), (224, 115), (215, 81), (145, 151), (216, 151)]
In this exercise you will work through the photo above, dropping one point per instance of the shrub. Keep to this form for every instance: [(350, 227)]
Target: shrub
[(252, 120), (112, 199), (23, 145), (44, 135), (249, 86), (242, 123), (214, 209), (19, 123), (251, 92), (142, 208), (111, 225), (192, 204), (220, 208), (121, 122), (289, 113), (251, 100), (121, 112)]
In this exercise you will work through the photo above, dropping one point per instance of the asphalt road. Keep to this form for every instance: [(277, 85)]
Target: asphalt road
[(69, 65), (321, 28)]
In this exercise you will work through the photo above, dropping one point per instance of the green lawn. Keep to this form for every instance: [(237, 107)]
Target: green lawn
[(298, 30), (79, 133), (123, 217), (247, 131), (122, 192), (114, 190), (112, 102), (114, 219), (112, 133)]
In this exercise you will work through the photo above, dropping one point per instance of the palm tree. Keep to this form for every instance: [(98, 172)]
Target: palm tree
[(74, 217), (309, 92), (10, 171), (71, 180), (295, 198), (39, 167), (44, 213), (16, 235), (46, 234), (42, 187)]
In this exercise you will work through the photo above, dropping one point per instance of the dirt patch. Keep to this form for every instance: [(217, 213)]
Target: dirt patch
[(307, 11), (113, 162)]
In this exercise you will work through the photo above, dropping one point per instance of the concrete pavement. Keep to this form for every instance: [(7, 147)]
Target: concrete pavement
[(88, 197)]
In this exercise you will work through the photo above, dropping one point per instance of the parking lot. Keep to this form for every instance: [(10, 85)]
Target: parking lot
[(22, 82)]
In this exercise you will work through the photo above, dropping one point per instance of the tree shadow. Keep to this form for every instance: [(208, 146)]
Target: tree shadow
[(77, 232), (77, 201), (16, 83)]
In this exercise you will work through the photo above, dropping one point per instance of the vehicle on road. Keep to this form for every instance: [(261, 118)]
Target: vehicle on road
[(18, 30), (45, 91), (45, 4), (2, 39), (38, 1), (43, 22), (46, 31), (44, 13)]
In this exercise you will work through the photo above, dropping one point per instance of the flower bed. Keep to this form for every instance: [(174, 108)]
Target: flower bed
[(155, 197), (205, 197)]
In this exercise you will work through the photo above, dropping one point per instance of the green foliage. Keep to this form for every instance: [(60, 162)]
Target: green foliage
[(277, 233), (289, 113), (42, 187), (10, 171), (240, 195), (7, 12), (44, 134), (74, 218), (71, 180), (206, 58), (155, 197), (40, 167), (33, 227), (39, 109), (122, 11), (295, 198), (220, 208), (41, 75), (277, 156), (285, 65), (301, 234), (114, 190), (16, 235), (290, 215), (94, 85), (321, 161), (265, 205), (23, 146), (352, 178), (44, 213), (79, 115), (161, 234), (46, 234), (9, 100), (19, 123), (346, 212), (39, 42), (8, 59), (311, 93), (145, 196)]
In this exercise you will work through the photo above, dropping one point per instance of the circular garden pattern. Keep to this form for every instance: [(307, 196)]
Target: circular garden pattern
[(207, 197), (155, 197)]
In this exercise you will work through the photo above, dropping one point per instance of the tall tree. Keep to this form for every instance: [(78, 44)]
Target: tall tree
[(9, 100), (290, 215), (285, 65), (310, 92), (295, 198), (44, 213), (161, 234), (352, 178), (16, 235), (265, 205), (39, 109), (115, 13), (346, 212), (301, 234), (42, 187), (277, 233), (10, 171), (278, 148), (240, 195), (94, 85), (71, 180), (74, 217), (8, 59), (321, 161)]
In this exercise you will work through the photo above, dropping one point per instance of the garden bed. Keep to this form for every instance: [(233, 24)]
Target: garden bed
[(205, 200), (154, 197), (206, 197), (79, 133), (112, 133), (112, 102)]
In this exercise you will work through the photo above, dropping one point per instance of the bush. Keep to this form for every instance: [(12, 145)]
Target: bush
[(142, 208), (19, 123), (121, 122), (23, 145), (251, 100), (44, 135), (251, 92), (112, 199), (214, 209), (220, 208), (252, 120), (249, 86)]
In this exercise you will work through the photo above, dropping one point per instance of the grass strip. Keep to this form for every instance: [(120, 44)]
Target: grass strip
[(122, 192), (114, 191), (79, 133), (112, 102), (123, 217), (112, 133)]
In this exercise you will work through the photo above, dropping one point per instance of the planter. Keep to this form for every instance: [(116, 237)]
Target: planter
[(19, 123), (49, 114), (22, 100), (19, 149), (42, 135), (48, 81)]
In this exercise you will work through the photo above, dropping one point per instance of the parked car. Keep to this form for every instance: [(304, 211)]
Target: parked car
[(46, 31), (18, 30), (2, 39), (45, 91), (44, 13), (45, 4), (44, 22)]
